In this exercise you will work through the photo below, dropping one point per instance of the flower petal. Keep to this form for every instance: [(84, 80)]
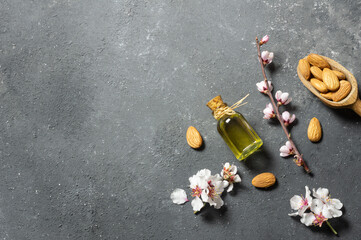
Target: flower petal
[(284, 149), (197, 204), (287, 101), (270, 106), (264, 39), (264, 55), (296, 202), (268, 111), (307, 219), (193, 181), (335, 212), (204, 173), (336, 203), (284, 154), (222, 186), (285, 116), (230, 187), (308, 192), (308, 196), (321, 193), (326, 212), (288, 144), (278, 95), (270, 57), (261, 86), (293, 214), (293, 117), (237, 178), (204, 195), (302, 210), (317, 206), (284, 97), (179, 196), (233, 169), (217, 202)]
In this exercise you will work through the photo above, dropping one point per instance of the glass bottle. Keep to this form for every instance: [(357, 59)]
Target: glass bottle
[(235, 130)]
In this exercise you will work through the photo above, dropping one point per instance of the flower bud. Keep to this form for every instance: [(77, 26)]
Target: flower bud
[(264, 40)]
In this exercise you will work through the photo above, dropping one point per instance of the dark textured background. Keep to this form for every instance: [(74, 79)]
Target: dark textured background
[(96, 97)]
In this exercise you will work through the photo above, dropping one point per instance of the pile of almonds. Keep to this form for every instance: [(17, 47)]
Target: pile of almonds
[(331, 84)]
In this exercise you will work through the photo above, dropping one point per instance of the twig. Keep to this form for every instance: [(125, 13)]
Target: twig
[(298, 157), (333, 230)]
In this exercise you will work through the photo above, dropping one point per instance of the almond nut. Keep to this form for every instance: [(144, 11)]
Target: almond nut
[(264, 180), (342, 92), (316, 72), (304, 67), (330, 79), (327, 95), (339, 74), (319, 85), (314, 131), (194, 138), (318, 61)]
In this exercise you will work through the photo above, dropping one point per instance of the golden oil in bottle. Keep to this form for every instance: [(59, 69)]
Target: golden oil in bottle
[(235, 130)]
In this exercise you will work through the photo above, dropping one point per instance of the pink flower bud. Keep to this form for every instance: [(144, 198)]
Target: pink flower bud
[(263, 88), (286, 150), (282, 98), (269, 112), (267, 57), (264, 40), (288, 118)]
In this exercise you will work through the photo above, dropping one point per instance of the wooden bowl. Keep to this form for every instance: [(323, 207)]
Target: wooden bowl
[(351, 101)]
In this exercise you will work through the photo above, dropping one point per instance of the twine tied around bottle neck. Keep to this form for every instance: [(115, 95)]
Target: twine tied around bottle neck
[(226, 110)]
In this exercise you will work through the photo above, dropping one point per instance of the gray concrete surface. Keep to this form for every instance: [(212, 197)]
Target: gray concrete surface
[(96, 97)]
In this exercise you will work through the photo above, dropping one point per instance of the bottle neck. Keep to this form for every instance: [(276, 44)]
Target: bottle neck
[(222, 110)]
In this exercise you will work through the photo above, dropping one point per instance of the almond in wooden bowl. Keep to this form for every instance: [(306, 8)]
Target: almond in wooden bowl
[(350, 101)]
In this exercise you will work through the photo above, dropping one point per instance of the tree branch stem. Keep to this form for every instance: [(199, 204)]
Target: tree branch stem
[(298, 157)]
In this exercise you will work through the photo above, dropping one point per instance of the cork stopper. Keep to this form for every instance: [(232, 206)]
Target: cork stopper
[(215, 103)]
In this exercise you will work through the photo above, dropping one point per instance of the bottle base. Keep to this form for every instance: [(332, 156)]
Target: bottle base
[(250, 149)]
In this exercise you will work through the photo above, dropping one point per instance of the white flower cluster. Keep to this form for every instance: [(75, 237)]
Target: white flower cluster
[(207, 188), (321, 208)]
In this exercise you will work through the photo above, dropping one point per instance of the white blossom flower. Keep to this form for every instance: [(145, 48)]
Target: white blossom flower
[(288, 118), (262, 87), (207, 188), (264, 40), (333, 205), (229, 173), (267, 57), (318, 216), (269, 112), (286, 149), (321, 209), (179, 196), (301, 203), (198, 184), (282, 98), (214, 190)]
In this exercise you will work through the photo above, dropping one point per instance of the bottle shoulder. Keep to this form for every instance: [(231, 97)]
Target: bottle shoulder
[(226, 118)]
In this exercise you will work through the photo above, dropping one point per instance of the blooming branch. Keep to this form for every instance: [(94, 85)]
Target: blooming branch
[(273, 109)]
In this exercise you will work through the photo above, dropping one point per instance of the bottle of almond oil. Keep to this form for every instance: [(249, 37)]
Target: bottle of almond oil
[(234, 129)]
